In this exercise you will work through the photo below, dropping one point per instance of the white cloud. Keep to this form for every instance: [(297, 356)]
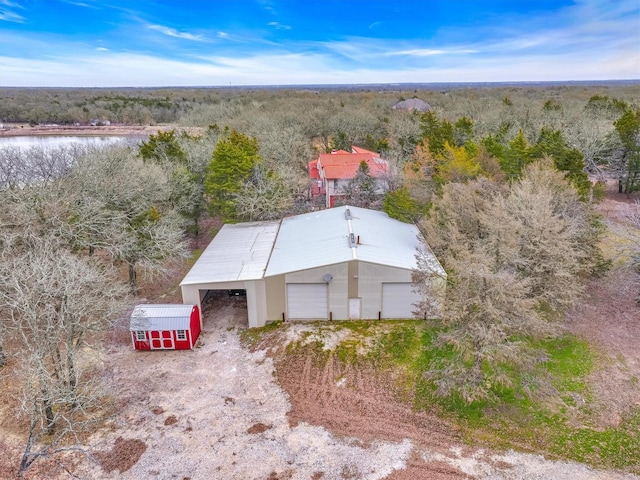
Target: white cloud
[(7, 12), (81, 4), (428, 52), (110, 69), (175, 33), (587, 42), (11, 4), (279, 26)]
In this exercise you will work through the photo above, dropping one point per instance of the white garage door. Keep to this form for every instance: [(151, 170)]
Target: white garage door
[(307, 301), (398, 300)]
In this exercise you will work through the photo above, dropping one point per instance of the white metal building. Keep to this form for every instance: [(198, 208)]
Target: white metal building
[(335, 264)]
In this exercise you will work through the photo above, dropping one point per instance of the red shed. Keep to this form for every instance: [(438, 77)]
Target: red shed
[(165, 327)]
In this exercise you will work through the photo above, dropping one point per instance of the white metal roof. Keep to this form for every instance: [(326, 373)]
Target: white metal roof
[(161, 317), (251, 251), (324, 238), (238, 252)]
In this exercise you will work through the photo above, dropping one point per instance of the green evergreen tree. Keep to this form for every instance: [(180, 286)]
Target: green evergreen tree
[(399, 204), (233, 161), (516, 156), (628, 130), (437, 132), (566, 159), (163, 147)]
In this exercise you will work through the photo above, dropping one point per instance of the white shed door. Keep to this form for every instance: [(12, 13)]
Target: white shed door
[(307, 301), (398, 300)]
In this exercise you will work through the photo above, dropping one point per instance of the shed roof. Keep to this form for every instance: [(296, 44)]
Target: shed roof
[(161, 317), (238, 252)]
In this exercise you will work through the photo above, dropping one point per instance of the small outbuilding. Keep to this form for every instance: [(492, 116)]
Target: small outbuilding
[(165, 326)]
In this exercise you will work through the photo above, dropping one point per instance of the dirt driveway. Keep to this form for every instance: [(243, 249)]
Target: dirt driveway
[(219, 412)]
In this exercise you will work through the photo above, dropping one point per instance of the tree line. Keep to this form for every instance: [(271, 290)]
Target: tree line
[(502, 195)]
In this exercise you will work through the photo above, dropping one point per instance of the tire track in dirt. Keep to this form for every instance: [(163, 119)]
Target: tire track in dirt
[(358, 402)]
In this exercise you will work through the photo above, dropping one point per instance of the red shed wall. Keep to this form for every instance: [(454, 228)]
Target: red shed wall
[(195, 324), (181, 344), (140, 344)]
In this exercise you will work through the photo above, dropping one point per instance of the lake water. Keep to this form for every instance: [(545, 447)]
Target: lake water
[(54, 141)]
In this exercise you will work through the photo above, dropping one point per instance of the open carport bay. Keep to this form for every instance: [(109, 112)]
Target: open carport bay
[(224, 308)]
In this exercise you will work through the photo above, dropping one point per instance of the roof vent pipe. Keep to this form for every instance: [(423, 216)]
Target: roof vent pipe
[(347, 214), (352, 240)]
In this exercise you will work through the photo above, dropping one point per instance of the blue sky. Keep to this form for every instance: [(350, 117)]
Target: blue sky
[(110, 43)]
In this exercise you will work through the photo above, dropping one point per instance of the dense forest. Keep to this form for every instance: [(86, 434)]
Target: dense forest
[(502, 181)]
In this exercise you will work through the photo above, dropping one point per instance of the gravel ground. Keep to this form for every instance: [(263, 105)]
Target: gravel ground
[(217, 412), (224, 412)]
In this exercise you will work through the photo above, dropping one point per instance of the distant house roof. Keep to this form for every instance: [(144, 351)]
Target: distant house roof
[(344, 165), (161, 317), (412, 104), (362, 150)]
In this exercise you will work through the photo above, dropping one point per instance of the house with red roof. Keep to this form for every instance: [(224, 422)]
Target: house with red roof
[(331, 172)]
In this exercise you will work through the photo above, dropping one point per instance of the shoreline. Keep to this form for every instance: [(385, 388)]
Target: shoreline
[(20, 130)]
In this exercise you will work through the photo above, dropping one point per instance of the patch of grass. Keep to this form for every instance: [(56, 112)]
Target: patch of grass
[(612, 447), (347, 351), (251, 337), (540, 413), (548, 410), (401, 345)]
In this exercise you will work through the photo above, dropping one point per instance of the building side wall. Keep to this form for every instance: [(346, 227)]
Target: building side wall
[(256, 303), (370, 280), (276, 297), (140, 344), (353, 275)]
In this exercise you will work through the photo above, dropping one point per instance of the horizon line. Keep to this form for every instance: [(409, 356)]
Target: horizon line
[(341, 85)]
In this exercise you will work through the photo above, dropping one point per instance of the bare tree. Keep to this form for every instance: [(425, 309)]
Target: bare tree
[(264, 196), (628, 229), (11, 167), (57, 302), (135, 223)]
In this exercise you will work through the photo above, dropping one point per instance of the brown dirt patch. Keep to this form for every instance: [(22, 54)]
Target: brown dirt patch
[(609, 318), (359, 402), (418, 468), (171, 420), (123, 455), (258, 428)]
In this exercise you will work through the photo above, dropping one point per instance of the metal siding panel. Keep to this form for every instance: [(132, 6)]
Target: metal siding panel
[(307, 301), (398, 300)]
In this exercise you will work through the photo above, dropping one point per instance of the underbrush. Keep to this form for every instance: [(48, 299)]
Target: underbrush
[(549, 411)]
